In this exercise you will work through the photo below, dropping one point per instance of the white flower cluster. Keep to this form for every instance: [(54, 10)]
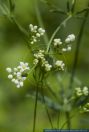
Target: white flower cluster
[(65, 46), (18, 75), (57, 42), (60, 64), (84, 108), (70, 38), (36, 33), (40, 58), (66, 49), (79, 92)]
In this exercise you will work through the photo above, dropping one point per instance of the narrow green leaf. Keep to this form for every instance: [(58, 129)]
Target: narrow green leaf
[(82, 11), (68, 6), (58, 11), (51, 104), (12, 6)]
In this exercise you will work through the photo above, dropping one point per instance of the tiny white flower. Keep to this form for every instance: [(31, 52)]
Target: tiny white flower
[(85, 91), (60, 64), (9, 70), (37, 34), (16, 76), (48, 67), (57, 42), (78, 91), (13, 80), (30, 26), (18, 86), (21, 84), (35, 27), (68, 48), (32, 42), (35, 61), (64, 49), (67, 40), (10, 76), (15, 69), (16, 81), (70, 38), (23, 78)]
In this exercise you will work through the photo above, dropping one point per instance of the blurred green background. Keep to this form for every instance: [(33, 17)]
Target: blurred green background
[(16, 111)]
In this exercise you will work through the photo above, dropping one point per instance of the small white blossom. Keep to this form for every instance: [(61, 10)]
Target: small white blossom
[(85, 91), (78, 91), (48, 67), (40, 57), (41, 31), (17, 74), (82, 91), (60, 64), (35, 61), (64, 49), (10, 76), (85, 108), (69, 48), (9, 70), (70, 38), (57, 42), (33, 28), (21, 84), (36, 33)]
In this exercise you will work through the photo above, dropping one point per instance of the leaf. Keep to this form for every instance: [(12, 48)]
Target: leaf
[(68, 6), (51, 104), (12, 6), (58, 11), (73, 5), (82, 11)]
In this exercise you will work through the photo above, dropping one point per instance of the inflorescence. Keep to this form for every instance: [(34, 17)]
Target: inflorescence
[(36, 33), (40, 58), (82, 91), (18, 75), (66, 45)]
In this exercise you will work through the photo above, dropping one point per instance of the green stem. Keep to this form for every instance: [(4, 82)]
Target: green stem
[(56, 31), (77, 50), (35, 110), (40, 21), (68, 120), (45, 104), (58, 120)]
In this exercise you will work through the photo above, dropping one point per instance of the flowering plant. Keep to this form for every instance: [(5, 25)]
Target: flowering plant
[(49, 60)]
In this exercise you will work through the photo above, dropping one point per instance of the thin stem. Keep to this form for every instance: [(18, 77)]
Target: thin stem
[(46, 105), (40, 21), (56, 31), (68, 120), (20, 27), (73, 5), (35, 110), (58, 121), (77, 50), (76, 112)]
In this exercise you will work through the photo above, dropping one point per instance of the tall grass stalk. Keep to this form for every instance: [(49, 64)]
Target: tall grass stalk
[(56, 31), (78, 44)]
